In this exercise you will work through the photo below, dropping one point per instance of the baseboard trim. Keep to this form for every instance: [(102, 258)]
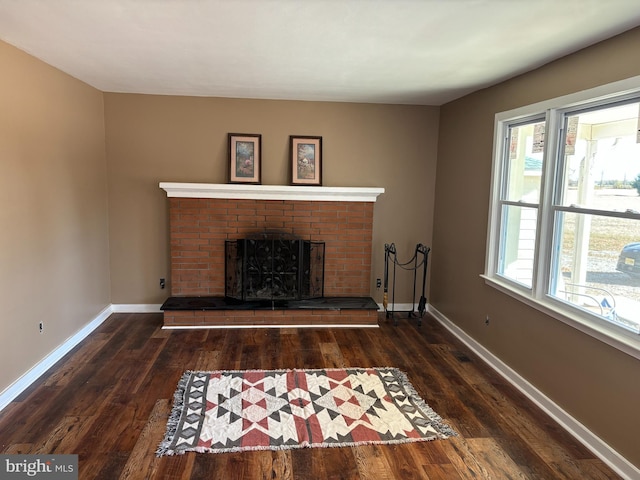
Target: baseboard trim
[(399, 307), (136, 308), (35, 372), (595, 444)]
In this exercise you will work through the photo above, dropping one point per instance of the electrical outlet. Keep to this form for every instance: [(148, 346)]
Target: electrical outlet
[(162, 283), (378, 283), (41, 327)]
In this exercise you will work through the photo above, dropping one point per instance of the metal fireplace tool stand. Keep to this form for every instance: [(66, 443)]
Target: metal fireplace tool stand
[(422, 253)]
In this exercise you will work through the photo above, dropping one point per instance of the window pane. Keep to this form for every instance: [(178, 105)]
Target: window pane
[(602, 159), (524, 165), (517, 245), (597, 266)]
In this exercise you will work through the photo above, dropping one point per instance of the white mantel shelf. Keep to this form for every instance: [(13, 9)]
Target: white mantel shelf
[(271, 192)]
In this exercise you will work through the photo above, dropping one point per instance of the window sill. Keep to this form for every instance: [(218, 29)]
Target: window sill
[(614, 336)]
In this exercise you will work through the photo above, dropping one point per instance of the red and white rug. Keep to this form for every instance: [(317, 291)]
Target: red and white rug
[(230, 411)]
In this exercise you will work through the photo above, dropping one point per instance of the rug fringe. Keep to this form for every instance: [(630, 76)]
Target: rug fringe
[(174, 417), (274, 448), (441, 425), (278, 370)]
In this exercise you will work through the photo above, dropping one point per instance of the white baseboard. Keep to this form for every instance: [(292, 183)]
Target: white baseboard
[(35, 372), (399, 307), (136, 308), (595, 444)]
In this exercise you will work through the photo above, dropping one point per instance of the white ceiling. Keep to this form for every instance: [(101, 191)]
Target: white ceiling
[(424, 52)]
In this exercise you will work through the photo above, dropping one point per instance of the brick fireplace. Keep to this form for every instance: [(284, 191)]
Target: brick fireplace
[(204, 216)]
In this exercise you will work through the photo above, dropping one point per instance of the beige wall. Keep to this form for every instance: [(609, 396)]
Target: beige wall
[(595, 383), (152, 139), (53, 210)]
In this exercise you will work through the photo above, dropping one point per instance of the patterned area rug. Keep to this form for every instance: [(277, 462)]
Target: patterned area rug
[(230, 411)]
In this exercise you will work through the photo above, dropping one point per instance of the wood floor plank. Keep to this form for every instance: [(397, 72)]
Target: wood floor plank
[(441, 472), (109, 399), (338, 463), (290, 346), (215, 467), (278, 465), (493, 456), (232, 348), (208, 360), (61, 375), (331, 355), (372, 463), (112, 466), (142, 460), (302, 465), (271, 357), (147, 356), (402, 463), (257, 465), (180, 466), (19, 449), (467, 465), (66, 435)]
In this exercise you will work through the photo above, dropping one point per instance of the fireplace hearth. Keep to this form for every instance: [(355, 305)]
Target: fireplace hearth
[(273, 268)]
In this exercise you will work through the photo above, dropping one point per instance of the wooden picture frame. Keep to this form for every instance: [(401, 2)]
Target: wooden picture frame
[(305, 153), (245, 157)]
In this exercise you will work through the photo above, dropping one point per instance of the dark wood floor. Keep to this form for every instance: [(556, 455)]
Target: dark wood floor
[(109, 399)]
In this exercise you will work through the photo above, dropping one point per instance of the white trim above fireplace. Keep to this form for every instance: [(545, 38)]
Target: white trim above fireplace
[(271, 192)]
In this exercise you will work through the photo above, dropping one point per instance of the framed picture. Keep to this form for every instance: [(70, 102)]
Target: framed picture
[(245, 154), (306, 160)]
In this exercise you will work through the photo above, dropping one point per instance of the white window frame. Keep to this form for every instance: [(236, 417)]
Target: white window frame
[(536, 296)]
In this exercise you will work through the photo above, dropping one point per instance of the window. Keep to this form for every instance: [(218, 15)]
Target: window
[(519, 199), (564, 230)]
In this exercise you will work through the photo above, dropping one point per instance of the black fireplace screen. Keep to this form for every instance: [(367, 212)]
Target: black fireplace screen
[(273, 269)]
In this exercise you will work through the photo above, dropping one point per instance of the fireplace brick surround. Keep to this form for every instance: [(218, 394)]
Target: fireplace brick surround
[(203, 216)]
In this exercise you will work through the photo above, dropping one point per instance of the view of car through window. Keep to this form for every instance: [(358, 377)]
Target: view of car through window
[(629, 260), (598, 252)]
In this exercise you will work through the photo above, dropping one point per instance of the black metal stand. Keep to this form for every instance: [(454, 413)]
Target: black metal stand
[(391, 255)]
